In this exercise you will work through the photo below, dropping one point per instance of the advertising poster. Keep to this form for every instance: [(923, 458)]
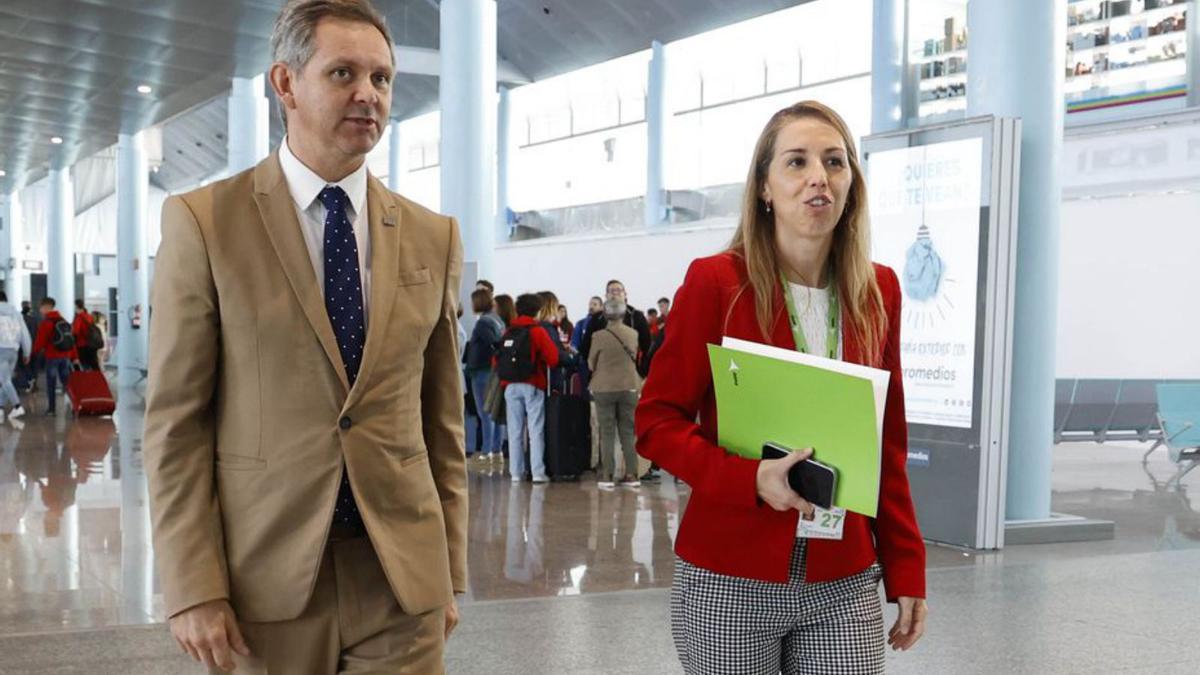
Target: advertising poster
[(925, 220)]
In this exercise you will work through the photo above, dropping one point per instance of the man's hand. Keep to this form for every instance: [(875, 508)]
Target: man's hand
[(910, 624), (208, 632), (773, 488), (451, 617)]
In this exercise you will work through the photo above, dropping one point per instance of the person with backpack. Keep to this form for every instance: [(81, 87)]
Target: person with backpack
[(56, 341), (526, 351), (485, 339), (14, 339), (88, 338)]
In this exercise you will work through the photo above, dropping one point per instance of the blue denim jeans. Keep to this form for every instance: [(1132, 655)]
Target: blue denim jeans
[(526, 403), (492, 439), (8, 393), (56, 369)]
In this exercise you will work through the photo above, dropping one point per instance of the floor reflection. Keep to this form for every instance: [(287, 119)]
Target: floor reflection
[(75, 528), (568, 538)]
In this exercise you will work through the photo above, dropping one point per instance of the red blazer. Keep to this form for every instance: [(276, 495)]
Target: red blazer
[(726, 529)]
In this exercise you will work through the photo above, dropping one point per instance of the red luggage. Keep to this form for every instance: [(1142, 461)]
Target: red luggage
[(89, 393)]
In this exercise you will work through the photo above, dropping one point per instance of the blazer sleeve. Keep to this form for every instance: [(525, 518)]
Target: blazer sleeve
[(897, 537), (667, 432), (180, 429), (442, 415)]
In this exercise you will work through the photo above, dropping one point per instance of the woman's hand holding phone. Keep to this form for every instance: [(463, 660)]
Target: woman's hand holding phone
[(773, 485)]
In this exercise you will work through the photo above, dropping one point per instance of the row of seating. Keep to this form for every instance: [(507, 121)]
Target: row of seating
[(1096, 411), (1166, 412)]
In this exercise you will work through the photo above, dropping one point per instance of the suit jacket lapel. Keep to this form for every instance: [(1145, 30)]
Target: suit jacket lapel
[(278, 212), (384, 223)]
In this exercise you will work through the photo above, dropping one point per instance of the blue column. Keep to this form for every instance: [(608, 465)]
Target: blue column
[(503, 156), (887, 66), (249, 123), (468, 108), (60, 240), (656, 122), (1016, 57), (133, 184), (10, 246), (395, 158)]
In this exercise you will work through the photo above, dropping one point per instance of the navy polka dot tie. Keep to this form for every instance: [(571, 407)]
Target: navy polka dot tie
[(344, 303)]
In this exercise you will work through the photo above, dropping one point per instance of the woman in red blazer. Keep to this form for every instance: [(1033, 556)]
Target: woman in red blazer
[(751, 594)]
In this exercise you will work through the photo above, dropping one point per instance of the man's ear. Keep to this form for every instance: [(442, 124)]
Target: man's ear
[(283, 82)]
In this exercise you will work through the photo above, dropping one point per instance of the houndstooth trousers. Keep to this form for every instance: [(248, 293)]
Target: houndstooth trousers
[(724, 625)]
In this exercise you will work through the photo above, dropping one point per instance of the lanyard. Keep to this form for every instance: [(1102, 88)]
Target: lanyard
[(831, 341)]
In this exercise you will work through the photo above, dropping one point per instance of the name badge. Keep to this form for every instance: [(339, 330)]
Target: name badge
[(824, 525)]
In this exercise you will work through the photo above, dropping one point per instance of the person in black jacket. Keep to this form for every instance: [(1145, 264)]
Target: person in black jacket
[(477, 361), (633, 318)]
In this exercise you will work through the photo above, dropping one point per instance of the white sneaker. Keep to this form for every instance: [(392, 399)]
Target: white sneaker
[(16, 412), (606, 485), (516, 479), (540, 480), (1, 415)]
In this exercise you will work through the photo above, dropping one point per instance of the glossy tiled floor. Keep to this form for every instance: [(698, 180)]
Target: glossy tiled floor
[(75, 554)]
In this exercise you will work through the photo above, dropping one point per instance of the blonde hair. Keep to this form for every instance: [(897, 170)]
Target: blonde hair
[(549, 307), (858, 291)]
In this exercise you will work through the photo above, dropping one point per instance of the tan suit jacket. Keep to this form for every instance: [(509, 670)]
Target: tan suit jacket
[(247, 400)]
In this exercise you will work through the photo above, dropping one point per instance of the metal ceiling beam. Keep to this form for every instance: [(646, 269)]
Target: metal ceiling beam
[(422, 61)]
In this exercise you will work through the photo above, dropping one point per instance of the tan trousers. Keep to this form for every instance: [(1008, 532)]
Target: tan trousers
[(352, 624)]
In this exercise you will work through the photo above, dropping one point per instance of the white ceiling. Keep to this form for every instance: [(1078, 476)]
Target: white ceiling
[(71, 68)]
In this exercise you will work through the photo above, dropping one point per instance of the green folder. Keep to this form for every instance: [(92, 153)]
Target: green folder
[(802, 401)]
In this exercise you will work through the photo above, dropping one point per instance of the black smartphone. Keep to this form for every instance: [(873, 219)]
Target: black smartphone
[(810, 479)]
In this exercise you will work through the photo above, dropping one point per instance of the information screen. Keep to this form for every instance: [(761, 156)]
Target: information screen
[(925, 224)]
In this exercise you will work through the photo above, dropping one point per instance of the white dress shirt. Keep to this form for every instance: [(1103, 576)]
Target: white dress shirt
[(305, 186)]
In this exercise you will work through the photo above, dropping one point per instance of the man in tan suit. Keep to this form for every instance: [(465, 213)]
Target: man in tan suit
[(304, 439)]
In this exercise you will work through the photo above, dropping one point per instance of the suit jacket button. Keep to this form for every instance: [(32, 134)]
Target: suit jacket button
[(345, 423)]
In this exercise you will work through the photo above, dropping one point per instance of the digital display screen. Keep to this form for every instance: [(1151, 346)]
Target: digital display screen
[(925, 224)]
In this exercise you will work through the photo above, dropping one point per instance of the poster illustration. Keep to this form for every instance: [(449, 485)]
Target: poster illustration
[(925, 221)]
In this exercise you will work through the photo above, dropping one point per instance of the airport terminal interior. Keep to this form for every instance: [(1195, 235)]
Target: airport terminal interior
[(1050, 342)]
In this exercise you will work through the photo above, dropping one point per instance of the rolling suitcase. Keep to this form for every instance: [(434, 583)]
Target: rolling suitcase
[(568, 435), (89, 393)]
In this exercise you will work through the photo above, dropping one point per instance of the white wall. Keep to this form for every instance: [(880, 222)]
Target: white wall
[(1129, 288), (1129, 280), (651, 265)]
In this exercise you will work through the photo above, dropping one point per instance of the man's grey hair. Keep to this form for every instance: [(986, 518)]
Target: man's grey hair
[(614, 309), (293, 40), (295, 28)]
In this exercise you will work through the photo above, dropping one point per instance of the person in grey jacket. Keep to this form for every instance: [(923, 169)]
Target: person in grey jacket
[(485, 338), (614, 385), (14, 338)]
